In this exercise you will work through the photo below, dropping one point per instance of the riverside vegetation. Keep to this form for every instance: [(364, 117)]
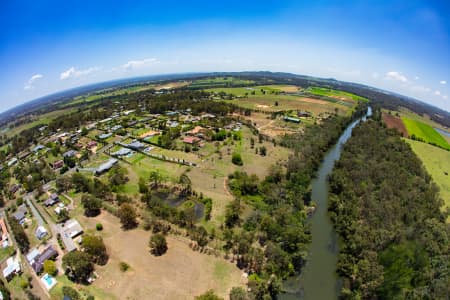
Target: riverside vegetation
[(387, 212)]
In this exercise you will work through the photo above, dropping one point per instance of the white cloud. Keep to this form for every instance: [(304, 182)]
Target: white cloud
[(394, 75), (29, 84), (136, 64), (375, 75), (445, 97), (437, 93), (74, 73), (420, 89), (416, 77), (443, 82)]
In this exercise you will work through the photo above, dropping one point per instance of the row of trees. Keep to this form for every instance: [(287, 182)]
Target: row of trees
[(386, 210)]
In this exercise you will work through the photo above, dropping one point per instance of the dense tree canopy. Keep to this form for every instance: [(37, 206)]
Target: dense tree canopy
[(78, 266), (386, 210)]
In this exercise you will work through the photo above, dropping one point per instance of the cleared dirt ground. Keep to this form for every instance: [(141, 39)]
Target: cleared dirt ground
[(179, 274), (395, 122)]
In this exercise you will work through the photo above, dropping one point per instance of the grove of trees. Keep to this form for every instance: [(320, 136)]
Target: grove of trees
[(387, 212)]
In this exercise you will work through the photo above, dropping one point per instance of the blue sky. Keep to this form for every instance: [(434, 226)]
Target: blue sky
[(48, 46)]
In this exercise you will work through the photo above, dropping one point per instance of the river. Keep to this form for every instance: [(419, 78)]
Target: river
[(319, 279), (443, 132)]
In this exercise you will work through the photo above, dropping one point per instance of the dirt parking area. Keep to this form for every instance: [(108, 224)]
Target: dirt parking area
[(179, 274)]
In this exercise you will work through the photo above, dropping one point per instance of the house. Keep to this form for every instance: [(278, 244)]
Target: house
[(32, 255), (20, 214), (58, 164), (116, 127), (91, 145), (104, 136), (52, 200), (121, 152), (302, 113), (68, 231), (13, 161), (173, 124), (105, 120), (38, 148), (4, 230), (191, 140), (70, 153), (24, 154), (126, 113), (12, 268), (106, 166), (136, 145), (60, 208), (41, 232), (291, 119), (196, 130), (14, 188), (37, 261), (207, 116)]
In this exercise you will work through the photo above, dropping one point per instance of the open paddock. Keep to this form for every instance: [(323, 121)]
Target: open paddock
[(437, 163), (179, 274), (425, 132)]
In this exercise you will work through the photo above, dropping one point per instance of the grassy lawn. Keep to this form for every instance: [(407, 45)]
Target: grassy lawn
[(425, 132), (6, 252), (436, 162), (84, 290)]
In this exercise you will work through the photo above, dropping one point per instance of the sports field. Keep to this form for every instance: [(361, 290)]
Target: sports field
[(425, 132)]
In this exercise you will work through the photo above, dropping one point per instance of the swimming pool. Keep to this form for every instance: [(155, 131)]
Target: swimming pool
[(48, 281)]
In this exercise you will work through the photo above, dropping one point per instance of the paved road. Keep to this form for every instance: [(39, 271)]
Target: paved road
[(35, 212)]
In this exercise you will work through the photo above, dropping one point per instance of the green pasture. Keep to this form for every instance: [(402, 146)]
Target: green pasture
[(425, 132)]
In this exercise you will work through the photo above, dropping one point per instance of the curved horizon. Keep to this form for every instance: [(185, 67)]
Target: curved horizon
[(393, 45), (119, 82)]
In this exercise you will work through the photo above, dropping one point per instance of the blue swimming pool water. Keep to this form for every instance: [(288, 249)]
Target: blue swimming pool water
[(49, 279)]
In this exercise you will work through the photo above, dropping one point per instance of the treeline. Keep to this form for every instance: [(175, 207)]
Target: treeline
[(386, 210)]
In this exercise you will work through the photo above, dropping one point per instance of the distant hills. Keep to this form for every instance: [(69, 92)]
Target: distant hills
[(385, 99)]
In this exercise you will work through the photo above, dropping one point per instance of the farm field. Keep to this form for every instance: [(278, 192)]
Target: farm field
[(340, 95), (437, 163), (43, 119), (395, 122), (287, 102), (425, 132), (256, 90), (181, 273), (219, 81)]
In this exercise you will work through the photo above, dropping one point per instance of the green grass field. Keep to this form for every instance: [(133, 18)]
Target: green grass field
[(334, 94), (242, 91), (436, 162), (43, 119), (425, 132), (219, 81)]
